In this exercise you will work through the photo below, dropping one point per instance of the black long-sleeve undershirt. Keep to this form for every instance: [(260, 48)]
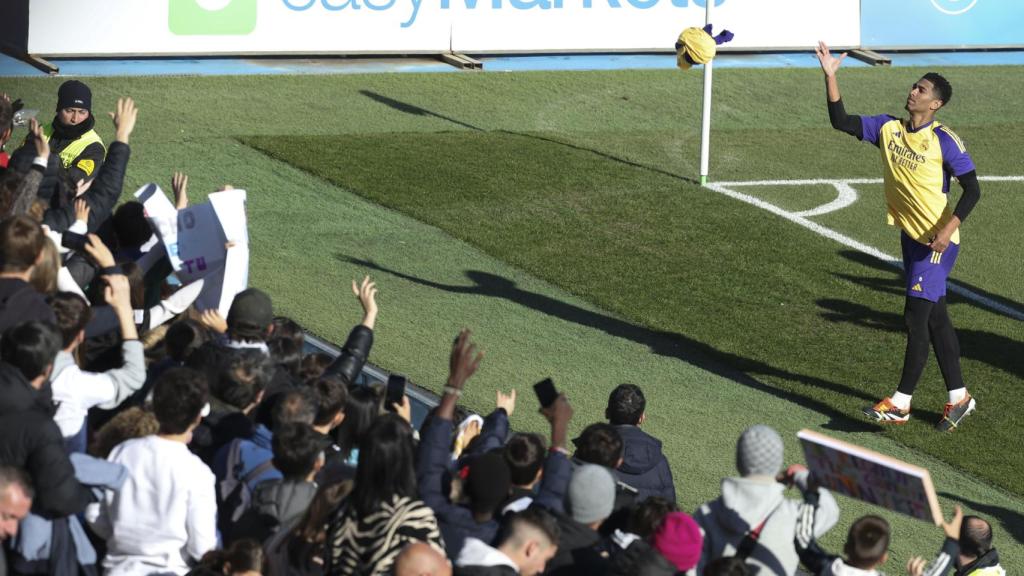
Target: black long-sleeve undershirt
[(844, 122), (970, 197)]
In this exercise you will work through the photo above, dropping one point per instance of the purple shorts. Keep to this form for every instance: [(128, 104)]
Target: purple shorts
[(927, 269)]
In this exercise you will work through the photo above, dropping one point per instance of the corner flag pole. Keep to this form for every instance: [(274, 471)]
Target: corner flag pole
[(705, 125)]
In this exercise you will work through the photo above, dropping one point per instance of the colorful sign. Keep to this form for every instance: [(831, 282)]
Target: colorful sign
[(870, 476)]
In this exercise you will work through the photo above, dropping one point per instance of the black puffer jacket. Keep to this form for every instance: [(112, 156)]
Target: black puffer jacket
[(644, 466), (30, 440), (102, 195)]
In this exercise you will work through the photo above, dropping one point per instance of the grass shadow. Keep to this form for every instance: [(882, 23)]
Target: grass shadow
[(995, 350), (896, 270), (736, 368), (415, 110)]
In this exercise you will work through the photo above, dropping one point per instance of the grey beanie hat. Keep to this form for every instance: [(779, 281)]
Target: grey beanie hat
[(759, 451), (591, 493)]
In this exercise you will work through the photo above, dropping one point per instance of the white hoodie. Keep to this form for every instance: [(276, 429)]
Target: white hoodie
[(745, 503), (476, 552)]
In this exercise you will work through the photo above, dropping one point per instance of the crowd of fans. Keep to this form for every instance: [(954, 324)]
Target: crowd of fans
[(140, 436)]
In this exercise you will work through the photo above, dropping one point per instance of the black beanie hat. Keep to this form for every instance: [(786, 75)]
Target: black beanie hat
[(74, 94)]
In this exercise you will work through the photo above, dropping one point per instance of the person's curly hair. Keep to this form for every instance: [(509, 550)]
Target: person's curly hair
[(134, 422)]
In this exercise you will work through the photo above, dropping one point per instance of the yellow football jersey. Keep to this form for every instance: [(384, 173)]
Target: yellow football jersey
[(917, 166)]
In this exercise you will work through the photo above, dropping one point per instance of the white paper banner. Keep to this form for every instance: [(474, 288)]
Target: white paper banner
[(204, 241)]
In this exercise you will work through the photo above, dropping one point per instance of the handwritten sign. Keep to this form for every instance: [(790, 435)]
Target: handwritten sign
[(204, 242), (870, 476)]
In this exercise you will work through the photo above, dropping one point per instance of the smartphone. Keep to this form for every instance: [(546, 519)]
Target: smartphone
[(395, 390), (73, 241), (546, 393)]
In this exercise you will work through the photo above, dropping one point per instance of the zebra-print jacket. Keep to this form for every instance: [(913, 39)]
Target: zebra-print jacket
[(369, 545)]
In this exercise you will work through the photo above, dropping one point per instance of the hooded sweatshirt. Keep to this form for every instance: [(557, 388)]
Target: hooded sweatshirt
[(477, 558), (743, 505), (644, 467)]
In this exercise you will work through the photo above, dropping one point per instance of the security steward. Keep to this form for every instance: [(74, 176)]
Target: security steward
[(77, 152), (71, 134)]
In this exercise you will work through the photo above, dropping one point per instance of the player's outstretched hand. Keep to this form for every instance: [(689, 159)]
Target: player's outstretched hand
[(829, 63)]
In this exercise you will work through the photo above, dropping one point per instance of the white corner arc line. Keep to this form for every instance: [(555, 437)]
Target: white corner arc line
[(725, 188), (847, 195)]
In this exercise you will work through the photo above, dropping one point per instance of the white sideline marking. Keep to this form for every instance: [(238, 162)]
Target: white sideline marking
[(848, 195)]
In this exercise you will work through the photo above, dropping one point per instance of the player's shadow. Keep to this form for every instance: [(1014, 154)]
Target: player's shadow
[(415, 110), (995, 350), (746, 371), (893, 282), (1011, 520)]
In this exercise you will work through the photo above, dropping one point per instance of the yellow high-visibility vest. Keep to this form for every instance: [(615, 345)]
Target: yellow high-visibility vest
[(69, 153)]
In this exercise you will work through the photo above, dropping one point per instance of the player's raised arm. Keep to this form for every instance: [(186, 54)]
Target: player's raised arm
[(836, 112), (829, 65)]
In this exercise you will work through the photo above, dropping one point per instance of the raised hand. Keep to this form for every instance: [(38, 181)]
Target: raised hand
[(124, 119), (403, 409), (213, 320), (82, 210), (118, 292), (559, 411), (179, 184), (39, 139), (952, 528), (506, 401), (915, 566), (829, 63), (464, 360), (98, 251), (366, 292)]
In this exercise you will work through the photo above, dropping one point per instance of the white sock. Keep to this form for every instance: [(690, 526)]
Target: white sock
[(901, 400), (957, 395)]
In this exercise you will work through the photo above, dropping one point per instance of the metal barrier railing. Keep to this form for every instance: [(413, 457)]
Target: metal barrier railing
[(420, 399)]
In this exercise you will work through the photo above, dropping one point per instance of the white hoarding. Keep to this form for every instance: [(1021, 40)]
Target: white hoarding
[(595, 25), (212, 27)]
